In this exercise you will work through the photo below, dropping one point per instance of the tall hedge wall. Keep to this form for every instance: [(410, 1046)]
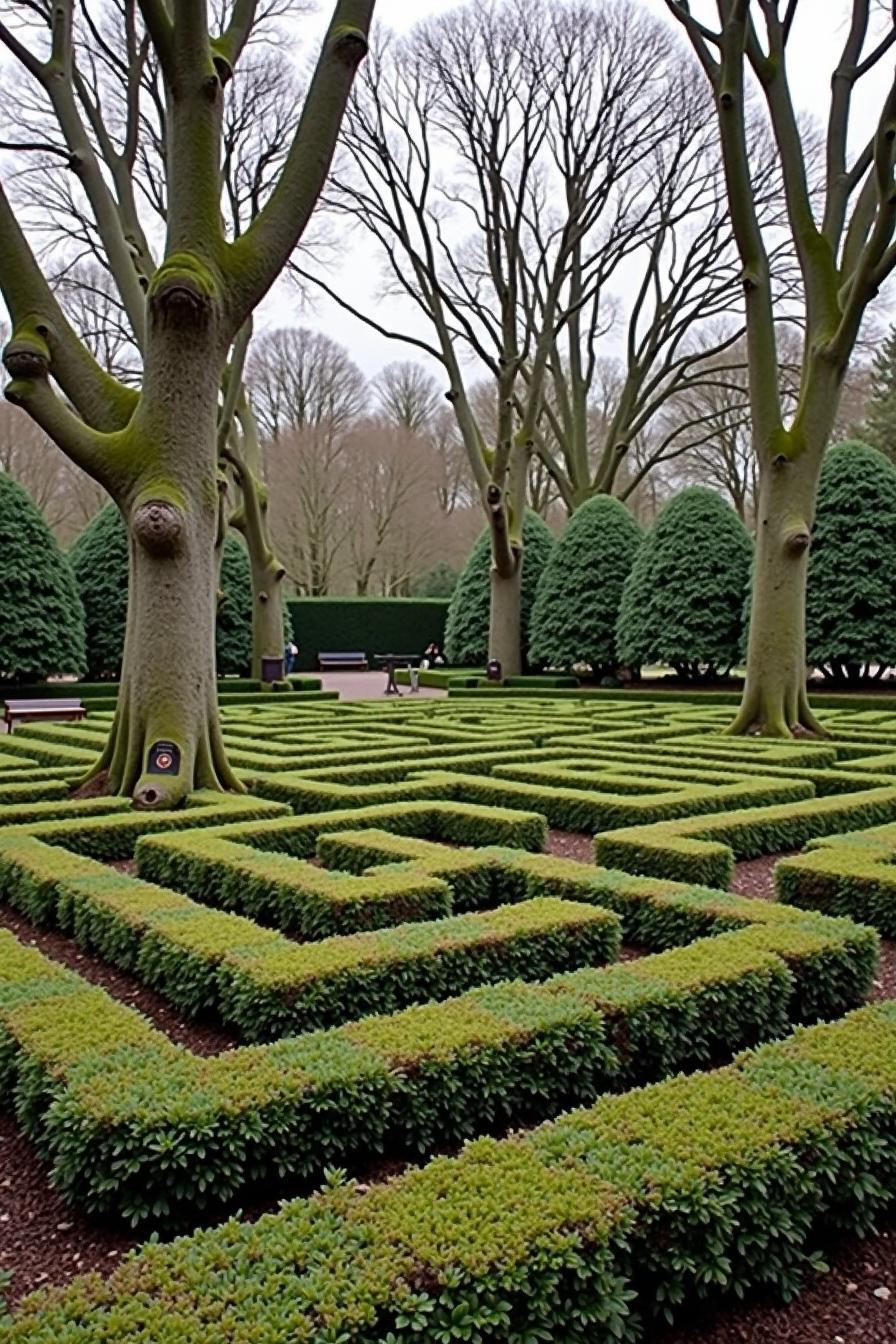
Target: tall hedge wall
[(369, 624)]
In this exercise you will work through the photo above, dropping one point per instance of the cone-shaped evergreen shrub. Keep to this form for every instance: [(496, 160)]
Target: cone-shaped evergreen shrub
[(466, 630), (233, 634), (851, 602), (578, 595), (99, 560), (683, 601), (41, 617)]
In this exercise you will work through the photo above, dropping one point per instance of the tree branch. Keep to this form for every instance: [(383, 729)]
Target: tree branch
[(40, 325), (257, 258)]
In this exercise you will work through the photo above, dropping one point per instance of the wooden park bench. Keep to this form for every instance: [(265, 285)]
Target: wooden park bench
[(23, 711), (342, 662)]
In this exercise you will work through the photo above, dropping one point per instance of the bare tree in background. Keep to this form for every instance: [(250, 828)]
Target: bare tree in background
[(844, 235), (308, 467), (66, 497), (507, 173), (407, 395), (299, 378), (392, 498)]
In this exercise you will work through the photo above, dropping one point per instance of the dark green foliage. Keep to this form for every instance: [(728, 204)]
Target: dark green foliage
[(368, 625), (577, 600), (466, 630), (683, 601), (99, 560), (880, 422), (851, 602), (41, 617), (695, 1190), (440, 581), (233, 633)]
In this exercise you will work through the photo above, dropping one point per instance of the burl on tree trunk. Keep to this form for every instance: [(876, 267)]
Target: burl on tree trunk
[(775, 703)]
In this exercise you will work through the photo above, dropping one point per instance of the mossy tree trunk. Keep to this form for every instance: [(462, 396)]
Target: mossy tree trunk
[(775, 702), (156, 451), (239, 449), (845, 252), (168, 690)]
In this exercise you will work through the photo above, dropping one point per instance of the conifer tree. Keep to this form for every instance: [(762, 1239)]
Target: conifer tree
[(683, 602), (578, 596), (851, 605), (99, 561), (41, 617)]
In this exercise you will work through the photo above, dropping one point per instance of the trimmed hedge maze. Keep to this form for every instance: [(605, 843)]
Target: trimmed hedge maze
[(405, 966)]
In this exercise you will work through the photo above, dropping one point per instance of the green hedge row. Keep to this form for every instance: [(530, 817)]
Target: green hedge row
[(93, 690), (265, 985), (108, 828), (587, 1229), (882, 701), (592, 809), (427, 817), (703, 849), (137, 1126), (371, 625), (289, 893), (851, 875)]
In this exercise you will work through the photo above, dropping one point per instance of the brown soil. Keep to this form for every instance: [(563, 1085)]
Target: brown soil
[(43, 1241), (201, 1037), (855, 1303), (570, 845)]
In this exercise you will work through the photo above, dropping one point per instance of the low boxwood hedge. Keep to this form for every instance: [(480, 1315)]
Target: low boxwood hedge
[(587, 1229), (136, 1126), (850, 875), (703, 849), (289, 893)]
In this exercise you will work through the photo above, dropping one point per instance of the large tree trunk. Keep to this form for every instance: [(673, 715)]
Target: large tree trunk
[(775, 703), (266, 571), (166, 737), (505, 620)]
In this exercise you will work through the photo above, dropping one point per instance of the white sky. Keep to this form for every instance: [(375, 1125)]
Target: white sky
[(814, 48)]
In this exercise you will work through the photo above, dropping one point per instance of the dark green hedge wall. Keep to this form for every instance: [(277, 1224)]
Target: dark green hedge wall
[(372, 624)]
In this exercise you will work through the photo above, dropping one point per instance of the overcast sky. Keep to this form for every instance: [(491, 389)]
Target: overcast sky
[(815, 44)]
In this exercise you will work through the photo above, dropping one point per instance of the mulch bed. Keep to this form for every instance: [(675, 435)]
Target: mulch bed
[(201, 1037), (44, 1241), (570, 845), (841, 1307)]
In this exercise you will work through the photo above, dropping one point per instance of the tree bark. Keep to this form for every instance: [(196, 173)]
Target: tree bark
[(267, 609), (165, 485), (168, 692), (775, 702), (266, 571), (505, 620)]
